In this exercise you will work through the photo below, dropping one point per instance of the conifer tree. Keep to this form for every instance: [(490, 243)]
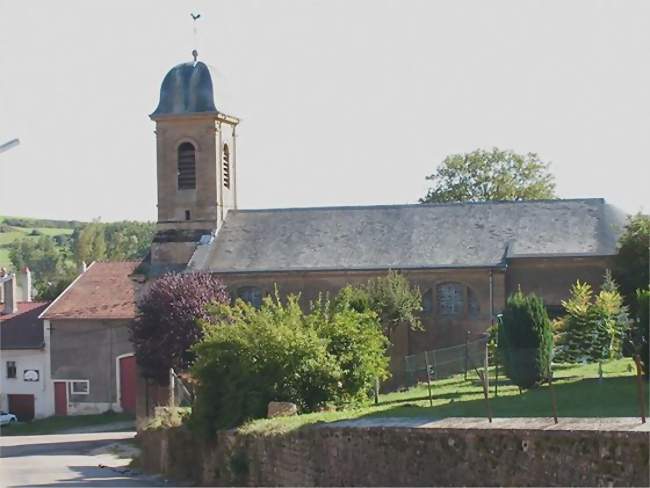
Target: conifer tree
[(525, 340)]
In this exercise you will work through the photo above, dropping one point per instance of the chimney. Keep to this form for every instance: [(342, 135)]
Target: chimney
[(3, 273), (25, 284), (11, 305), (82, 267)]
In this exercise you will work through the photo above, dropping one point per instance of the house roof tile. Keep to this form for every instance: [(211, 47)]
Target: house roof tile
[(23, 329), (104, 291), (411, 236)]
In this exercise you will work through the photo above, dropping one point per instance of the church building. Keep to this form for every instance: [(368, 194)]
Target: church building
[(466, 258)]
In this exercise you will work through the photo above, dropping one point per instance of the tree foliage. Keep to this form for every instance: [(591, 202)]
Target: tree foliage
[(594, 326), (166, 326), (249, 357), (89, 243), (642, 328), (490, 175), (391, 297), (115, 241), (632, 263), (53, 260), (525, 340), (51, 272)]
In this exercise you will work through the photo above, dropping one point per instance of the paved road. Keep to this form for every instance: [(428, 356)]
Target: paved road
[(95, 459)]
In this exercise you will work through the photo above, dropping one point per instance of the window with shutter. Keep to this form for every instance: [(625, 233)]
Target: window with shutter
[(226, 166)]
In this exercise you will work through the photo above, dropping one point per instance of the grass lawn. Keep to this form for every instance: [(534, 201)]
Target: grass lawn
[(53, 425), (578, 390)]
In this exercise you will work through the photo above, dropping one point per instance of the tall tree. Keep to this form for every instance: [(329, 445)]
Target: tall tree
[(490, 175), (632, 263)]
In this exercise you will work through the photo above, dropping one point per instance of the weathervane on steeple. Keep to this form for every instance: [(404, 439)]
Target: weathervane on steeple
[(195, 53)]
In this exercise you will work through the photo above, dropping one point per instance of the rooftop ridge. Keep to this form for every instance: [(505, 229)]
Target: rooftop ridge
[(418, 205)]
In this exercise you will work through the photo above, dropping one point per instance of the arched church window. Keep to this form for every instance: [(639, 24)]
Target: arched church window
[(226, 166), (450, 299), (427, 302), (186, 166), (251, 294)]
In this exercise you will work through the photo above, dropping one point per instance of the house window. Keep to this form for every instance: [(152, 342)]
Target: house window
[(11, 369), (226, 166), (427, 302), (251, 294), (80, 387), (186, 166), (451, 299)]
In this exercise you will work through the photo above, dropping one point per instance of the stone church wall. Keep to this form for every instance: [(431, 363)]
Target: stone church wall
[(552, 278)]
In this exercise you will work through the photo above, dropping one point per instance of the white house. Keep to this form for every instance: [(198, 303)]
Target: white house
[(25, 384)]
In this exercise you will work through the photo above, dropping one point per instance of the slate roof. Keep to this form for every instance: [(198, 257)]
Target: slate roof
[(186, 89), (103, 291), (23, 329), (411, 236)]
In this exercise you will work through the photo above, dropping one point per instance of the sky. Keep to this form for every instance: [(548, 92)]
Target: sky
[(343, 102)]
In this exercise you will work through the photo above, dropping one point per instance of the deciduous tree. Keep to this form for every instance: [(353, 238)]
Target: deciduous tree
[(490, 175), (166, 326)]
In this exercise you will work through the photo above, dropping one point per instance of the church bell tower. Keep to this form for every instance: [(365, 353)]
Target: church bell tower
[(196, 164)]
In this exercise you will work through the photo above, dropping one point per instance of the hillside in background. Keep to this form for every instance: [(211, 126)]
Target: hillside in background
[(15, 228)]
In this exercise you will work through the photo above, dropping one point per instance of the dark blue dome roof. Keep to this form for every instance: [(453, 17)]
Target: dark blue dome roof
[(186, 89)]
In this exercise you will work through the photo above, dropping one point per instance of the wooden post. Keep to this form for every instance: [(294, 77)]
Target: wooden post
[(639, 386), (426, 363), (486, 383), (466, 353), (552, 391), (376, 391), (496, 358), (496, 371)]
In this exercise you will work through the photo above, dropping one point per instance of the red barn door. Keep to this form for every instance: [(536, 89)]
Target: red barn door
[(127, 384), (60, 398), (22, 406)]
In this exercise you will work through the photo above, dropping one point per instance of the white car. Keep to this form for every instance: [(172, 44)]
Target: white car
[(7, 418)]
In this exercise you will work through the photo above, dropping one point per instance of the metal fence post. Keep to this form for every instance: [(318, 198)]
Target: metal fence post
[(466, 353), (552, 391), (639, 387), (483, 376), (426, 363)]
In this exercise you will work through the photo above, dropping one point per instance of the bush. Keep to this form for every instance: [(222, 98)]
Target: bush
[(525, 340), (643, 326), (355, 339), (166, 326), (594, 327), (391, 297), (249, 357)]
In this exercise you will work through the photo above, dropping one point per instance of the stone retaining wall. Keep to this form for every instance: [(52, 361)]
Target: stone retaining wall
[(353, 455)]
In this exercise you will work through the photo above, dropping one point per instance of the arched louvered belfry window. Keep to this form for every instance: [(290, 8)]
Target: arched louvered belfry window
[(226, 166), (186, 166)]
